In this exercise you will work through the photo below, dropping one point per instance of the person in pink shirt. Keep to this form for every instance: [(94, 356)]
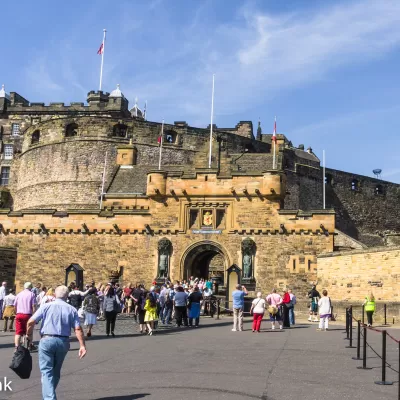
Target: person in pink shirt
[(275, 300), (25, 306)]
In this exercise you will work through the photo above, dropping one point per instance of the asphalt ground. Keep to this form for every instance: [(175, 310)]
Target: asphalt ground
[(213, 362)]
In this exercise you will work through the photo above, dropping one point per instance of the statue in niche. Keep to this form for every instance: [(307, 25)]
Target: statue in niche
[(248, 247), (164, 251)]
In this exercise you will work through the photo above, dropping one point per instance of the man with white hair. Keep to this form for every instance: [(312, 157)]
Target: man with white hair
[(59, 318), (2, 297), (25, 305)]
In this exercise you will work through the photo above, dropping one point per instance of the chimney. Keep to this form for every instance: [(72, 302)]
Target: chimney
[(309, 150), (301, 147)]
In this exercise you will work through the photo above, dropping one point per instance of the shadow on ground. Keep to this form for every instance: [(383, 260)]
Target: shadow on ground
[(128, 397)]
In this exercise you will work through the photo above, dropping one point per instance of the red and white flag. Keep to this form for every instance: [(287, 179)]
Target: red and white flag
[(274, 134), (160, 140), (101, 49)]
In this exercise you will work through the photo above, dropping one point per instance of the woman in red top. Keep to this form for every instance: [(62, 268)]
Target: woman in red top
[(286, 304)]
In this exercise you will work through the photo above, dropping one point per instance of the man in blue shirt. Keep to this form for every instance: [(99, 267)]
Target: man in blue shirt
[(59, 318), (238, 307)]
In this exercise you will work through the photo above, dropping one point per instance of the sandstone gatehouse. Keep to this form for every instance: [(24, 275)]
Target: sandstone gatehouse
[(262, 220)]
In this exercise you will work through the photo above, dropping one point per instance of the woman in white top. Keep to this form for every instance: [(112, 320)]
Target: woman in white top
[(48, 297), (258, 309), (324, 307)]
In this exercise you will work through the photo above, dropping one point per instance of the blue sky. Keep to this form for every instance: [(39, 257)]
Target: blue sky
[(329, 71)]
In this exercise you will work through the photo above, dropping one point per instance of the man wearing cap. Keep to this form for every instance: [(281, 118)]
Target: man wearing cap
[(59, 318), (25, 305), (2, 297)]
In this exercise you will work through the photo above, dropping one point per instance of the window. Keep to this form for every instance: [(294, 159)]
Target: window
[(193, 218), (71, 130), (294, 265), (170, 137), (378, 190), (5, 175), (355, 185), (220, 219), (120, 130), (15, 129), (309, 265), (35, 137), (8, 151)]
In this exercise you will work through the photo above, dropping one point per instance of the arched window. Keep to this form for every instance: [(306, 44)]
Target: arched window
[(170, 137), (35, 137), (120, 130), (355, 185), (378, 190), (329, 179), (71, 130)]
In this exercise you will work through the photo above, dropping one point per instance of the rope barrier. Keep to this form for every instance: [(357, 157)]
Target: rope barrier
[(378, 330)]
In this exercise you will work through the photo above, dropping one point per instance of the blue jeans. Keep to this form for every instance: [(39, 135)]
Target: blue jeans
[(52, 351), (167, 314), (291, 316)]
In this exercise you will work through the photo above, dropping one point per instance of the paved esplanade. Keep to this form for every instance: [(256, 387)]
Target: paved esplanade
[(209, 362)]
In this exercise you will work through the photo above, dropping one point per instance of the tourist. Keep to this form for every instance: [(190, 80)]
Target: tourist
[(3, 293), (209, 284), (293, 301), (111, 307), (91, 305), (274, 300), (194, 306), (285, 308), (58, 318), (161, 302), (369, 307), (100, 296), (324, 305), (238, 307), (169, 305), (49, 296), (141, 312), (180, 303), (9, 310), (151, 312), (257, 309), (36, 289), (75, 296), (207, 293), (128, 301), (25, 305), (314, 296), (136, 296), (40, 296)]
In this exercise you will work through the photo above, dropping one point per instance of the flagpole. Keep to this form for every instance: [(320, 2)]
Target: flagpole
[(161, 143), (212, 115), (323, 173), (102, 58), (103, 181), (274, 149)]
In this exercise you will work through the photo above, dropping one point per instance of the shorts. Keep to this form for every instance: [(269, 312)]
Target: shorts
[(128, 302), (314, 307), (21, 320)]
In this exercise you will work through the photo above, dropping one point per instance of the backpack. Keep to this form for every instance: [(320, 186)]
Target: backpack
[(75, 300)]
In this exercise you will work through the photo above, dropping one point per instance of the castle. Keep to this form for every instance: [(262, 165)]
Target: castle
[(84, 191)]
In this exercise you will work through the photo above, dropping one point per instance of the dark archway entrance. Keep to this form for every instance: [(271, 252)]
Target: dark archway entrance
[(205, 260)]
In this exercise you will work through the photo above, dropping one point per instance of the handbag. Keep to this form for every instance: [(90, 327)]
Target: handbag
[(289, 305), (21, 363), (272, 310), (81, 312)]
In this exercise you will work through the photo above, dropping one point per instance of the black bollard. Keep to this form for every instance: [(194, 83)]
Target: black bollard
[(363, 316), (218, 307), (358, 341), (347, 324), (364, 366), (384, 313), (384, 381), (350, 346)]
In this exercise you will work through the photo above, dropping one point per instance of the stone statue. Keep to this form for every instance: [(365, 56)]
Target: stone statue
[(248, 248), (164, 251), (247, 266)]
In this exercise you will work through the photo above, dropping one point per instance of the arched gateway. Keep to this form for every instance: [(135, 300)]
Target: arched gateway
[(205, 259)]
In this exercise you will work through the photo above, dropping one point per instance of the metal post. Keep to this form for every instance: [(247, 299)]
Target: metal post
[(347, 324), (384, 381), (363, 316), (364, 366), (384, 313), (218, 307), (350, 346), (358, 341)]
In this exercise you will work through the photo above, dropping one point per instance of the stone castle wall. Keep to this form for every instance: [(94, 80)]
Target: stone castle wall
[(351, 275)]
